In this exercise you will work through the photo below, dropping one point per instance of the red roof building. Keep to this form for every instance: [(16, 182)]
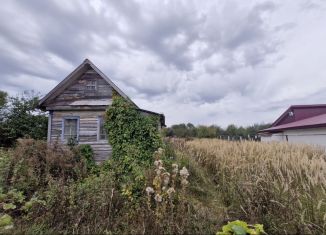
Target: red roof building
[(299, 124)]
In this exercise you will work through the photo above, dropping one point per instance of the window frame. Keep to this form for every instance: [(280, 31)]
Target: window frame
[(99, 118), (88, 86), (63, 126)]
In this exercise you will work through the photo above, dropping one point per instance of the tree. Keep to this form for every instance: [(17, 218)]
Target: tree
[(231, 130), (179, 130), (191, 130), (3, 98), (21, 118)]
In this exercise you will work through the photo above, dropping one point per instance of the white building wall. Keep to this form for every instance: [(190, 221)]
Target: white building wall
[(313, 136), (273, 137)]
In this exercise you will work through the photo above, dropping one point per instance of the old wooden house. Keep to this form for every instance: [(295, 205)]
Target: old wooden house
[(77, 107)]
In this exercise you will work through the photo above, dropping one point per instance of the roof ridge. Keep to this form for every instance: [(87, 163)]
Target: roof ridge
[(294, 124), (307, 105), (65, 82)]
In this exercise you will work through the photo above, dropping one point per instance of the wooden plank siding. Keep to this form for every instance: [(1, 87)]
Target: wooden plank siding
[(88, 131), (84, 94), (64, 105), (77, 90)]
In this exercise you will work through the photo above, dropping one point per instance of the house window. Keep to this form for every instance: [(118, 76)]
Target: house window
[(70, 129), (102, 135), (91, 85)]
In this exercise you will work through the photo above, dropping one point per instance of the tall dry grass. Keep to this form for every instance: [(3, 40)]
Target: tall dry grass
[(280, 185)]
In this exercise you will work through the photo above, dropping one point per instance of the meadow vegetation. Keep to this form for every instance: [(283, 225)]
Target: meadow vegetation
[(279, 185), (57, 189), (151, 186)]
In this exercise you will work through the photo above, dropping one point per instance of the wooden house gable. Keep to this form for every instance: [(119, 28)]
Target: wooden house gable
[(86, 87), (89, 89)]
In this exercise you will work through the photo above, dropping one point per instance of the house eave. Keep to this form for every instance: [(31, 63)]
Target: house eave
[(77, 108), (83, 67), (277, 130)]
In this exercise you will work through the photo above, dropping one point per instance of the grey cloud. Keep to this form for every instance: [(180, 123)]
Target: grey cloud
[(212, 57)]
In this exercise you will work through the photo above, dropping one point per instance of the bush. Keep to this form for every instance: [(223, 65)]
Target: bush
[(128, 128), (134, 138), (88, 206), (241, 228), (33, 164), (94, 205), (4, 167), (87, 154), (20, 118)]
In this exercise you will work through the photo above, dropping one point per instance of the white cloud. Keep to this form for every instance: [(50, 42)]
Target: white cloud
[(212, 62)]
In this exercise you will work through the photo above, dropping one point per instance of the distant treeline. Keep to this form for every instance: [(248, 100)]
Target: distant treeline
[(232, 132)]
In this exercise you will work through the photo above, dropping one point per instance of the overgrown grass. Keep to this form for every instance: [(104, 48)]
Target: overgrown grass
[(279, 185), (44, 198)]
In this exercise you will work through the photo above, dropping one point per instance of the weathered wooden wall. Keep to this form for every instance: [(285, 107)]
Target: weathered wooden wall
[(77, 90), (88, 129), (72, 98)]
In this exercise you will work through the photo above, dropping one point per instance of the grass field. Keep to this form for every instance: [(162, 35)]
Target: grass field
[(53, 190), (279, 185)]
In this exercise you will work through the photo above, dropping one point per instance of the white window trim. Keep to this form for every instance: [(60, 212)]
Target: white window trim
[(99, 129), (88, 85), (63, 127)]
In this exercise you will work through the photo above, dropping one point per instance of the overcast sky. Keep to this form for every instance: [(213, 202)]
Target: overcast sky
[(205, 62)]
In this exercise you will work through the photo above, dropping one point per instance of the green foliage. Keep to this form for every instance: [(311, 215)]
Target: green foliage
[(134, 138), (239, 227), (4, 167), (32, 203), (8, 206), (94, 205), (208, 131), (87, 153), (33, 164), (6, 223), (3, 98), (127, 127), (19, 118), (213, 131), (88, 206), (13, 204), (72, 142)]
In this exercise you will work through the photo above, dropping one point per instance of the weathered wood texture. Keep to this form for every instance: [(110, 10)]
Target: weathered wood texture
[(78, 90), (85, 93), (88, 130)]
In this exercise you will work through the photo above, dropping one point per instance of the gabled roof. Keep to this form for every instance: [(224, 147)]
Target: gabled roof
[(316, 121), (299, 117), (300, 112), (83, 67)]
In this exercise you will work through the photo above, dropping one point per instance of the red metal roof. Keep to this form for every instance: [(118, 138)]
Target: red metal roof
[(299, 117), (300, 112)]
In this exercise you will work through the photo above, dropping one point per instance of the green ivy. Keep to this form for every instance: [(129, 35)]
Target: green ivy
[(134, 138), (239, 227), (87, 154)]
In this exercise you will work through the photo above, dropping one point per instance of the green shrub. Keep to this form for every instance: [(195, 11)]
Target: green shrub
[(4, 167), (87, 154), (20, 118), (134, 138), (88, 206), (33, 164), (127, 127), (241, 228), (95, 205), (6, 223)]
